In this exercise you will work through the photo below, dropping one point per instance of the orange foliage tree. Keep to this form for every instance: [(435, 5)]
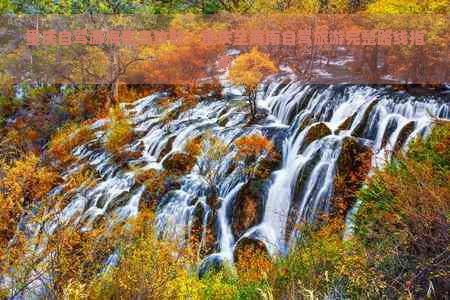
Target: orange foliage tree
[(248, 70), (259, 154), (185, 63)]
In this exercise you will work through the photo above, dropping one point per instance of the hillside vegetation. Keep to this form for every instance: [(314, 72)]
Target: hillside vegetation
[(399, 247), (399, 244)]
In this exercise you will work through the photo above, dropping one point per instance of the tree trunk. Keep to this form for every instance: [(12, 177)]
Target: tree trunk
[(252, 102), (113, 95), (115, 92)]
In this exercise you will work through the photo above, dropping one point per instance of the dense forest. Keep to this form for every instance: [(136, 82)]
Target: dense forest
[(148, 174)]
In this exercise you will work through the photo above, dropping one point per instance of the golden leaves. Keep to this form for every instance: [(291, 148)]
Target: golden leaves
[(250, 68), (120, 132), (252, 146), (22, 184), (66, 139)]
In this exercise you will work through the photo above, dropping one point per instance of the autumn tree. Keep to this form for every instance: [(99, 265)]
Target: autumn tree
[(23, 184), (411, 63), (258, 155), (212, 151), (186, 64), (248, 70)]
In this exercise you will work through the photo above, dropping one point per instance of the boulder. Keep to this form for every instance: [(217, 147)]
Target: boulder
[(347, 123), (179, 163), (209, 244), (390, 129), (350, 151), (353, 165), (211, 264), (222, 121), (300, 186), (308, 120), (267, 165), (403, 135), (360, 129), (315, 132), (198, 216), (249, 245), (120, 201), (167, 148), (213, 201), (231, 167), (248, 207)]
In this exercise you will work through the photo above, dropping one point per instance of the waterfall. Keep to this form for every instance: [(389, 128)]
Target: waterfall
[(315, 120)]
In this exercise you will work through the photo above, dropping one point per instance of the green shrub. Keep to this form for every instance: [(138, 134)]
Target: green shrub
[(403, 218)]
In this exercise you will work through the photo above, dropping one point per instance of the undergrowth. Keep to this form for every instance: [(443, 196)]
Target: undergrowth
[(120, 132), (399, 247)]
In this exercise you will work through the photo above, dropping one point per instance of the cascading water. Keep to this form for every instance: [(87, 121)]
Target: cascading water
[(314, 122)]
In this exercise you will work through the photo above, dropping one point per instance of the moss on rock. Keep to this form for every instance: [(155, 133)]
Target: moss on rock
[(360, 129), (179, 163), (353, 165), (249, 245), (315, 132), (209, 244), (248, 207)]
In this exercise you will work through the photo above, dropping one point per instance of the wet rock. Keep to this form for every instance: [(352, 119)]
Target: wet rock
[(179, 163), (361, 128), (121, 200), (222, 121), (172, 183), (211, 264), (300, 187), (372, 131), (301, 105), (248, 207), (148, 201), (134, 155), (277, 135), (347, 123), (231, 167), (103, 199), (171, 115), (249, 245), (197, 218), (308, 120), (353, 165), (140, 147), (213, 201), (167, 148), (315, 132), (267, 165), (208, 245), (405, 132)]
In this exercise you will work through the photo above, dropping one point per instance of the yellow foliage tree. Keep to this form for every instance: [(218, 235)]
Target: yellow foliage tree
[(21, 184), (248, 70), (120, 132)]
